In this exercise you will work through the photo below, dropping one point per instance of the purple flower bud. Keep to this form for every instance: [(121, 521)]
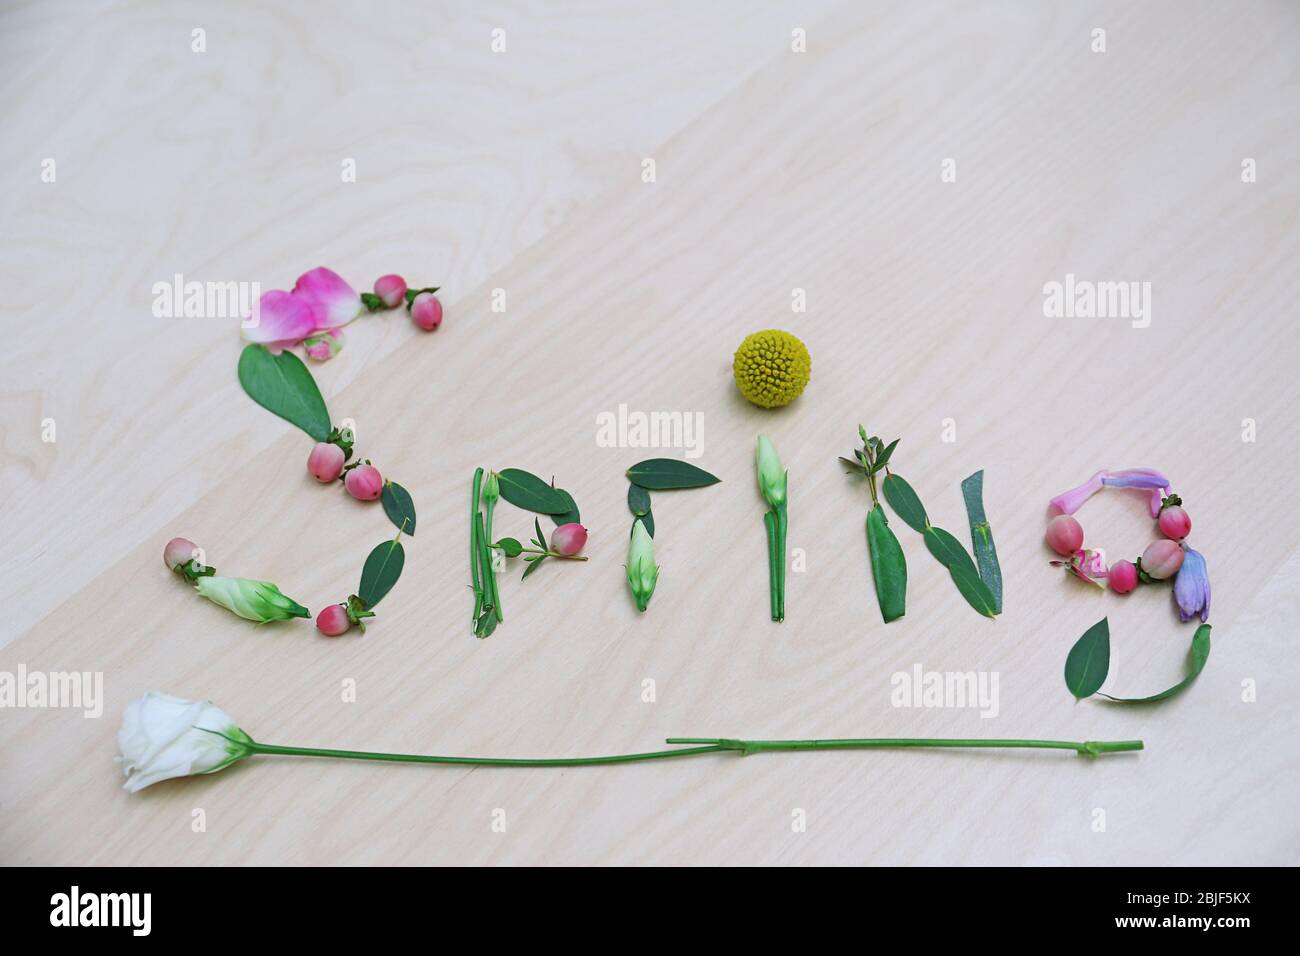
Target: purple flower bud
[(1192, 587)]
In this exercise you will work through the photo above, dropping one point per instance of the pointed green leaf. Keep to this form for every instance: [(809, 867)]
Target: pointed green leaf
[(883, 460), (399, 507), (1088, 661), (1200, 653), (975, 591), (664, 474), (282, 384), (570, 516), (948, 551), (527, 491), (905, 503), (533, 565), (382, 569)]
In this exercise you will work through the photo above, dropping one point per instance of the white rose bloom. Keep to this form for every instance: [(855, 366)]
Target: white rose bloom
[(164, 736)]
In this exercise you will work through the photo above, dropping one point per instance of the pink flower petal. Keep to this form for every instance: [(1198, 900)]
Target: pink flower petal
[(333, 301), (282, 319), (1068, 502)]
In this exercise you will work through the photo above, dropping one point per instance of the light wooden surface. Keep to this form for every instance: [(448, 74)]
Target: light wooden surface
[(775, 170)]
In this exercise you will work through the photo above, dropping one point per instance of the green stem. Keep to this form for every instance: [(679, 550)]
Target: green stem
[(485, 565), (701, 745), (782, 525), (769, 523), (492, 575), (474, 547)]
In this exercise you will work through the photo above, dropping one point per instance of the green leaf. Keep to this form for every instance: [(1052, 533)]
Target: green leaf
[(382, 569), (905, 503), (638, 500), (981, 535), (572, 515), (282, 384), (1200, 653), (399, 507), (665, 474), (1088, 661), (975, 591), (510, 547), (533, 565), (647, 519), (948, 551), (527, 491), (888, 566), (883, 460)]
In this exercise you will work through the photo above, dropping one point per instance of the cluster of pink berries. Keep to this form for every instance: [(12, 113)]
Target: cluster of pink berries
[(362, 480), (1160, 561), (422, 304)]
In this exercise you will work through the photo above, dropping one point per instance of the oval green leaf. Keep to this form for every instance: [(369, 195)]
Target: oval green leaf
[(282, 384), (399, 507), (510, 547), (638, 500), (905, 503), (527, 491), (1200, 653), (1089, 660), (382, 569), (666, 474), (888, 566)]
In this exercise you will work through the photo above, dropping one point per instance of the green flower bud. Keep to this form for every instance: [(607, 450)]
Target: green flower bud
[(258, 601), (491, 488), (642, 572), (771, 476)]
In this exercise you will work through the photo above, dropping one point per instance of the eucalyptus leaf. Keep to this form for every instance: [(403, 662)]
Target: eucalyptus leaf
[(283, 385), (1200, 653), (399, 507), (1089, 661), (382, 569), (975, 591), (665, 474), (981, 535), (527, 491), (905, 503), (572, 515)]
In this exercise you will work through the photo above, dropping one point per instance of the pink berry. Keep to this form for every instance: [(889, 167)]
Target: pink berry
[(568, 539), (426, 311), (364, 483), (1123, 577), (325, 461), (391, 290), (1162, 559), (1064, 535), (177, 552), (333, 621), (1175, 524)]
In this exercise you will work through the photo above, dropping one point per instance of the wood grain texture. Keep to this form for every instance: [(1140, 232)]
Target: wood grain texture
[(775, 170)]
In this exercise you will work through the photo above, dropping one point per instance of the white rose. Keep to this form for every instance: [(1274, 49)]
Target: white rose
[(164, 736)]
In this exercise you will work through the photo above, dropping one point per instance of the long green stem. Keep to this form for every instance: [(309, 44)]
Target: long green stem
[(705, 745), (782, 525), (487, 550), (769, 523), (474, 548)]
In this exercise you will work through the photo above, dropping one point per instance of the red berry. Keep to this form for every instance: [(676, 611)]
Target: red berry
[(1064, 535), (1175, 524), (333, 621)]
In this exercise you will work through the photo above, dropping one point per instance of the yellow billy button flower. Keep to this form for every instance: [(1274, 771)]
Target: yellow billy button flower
[(259, 601), (771, 368), (642, 572)]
